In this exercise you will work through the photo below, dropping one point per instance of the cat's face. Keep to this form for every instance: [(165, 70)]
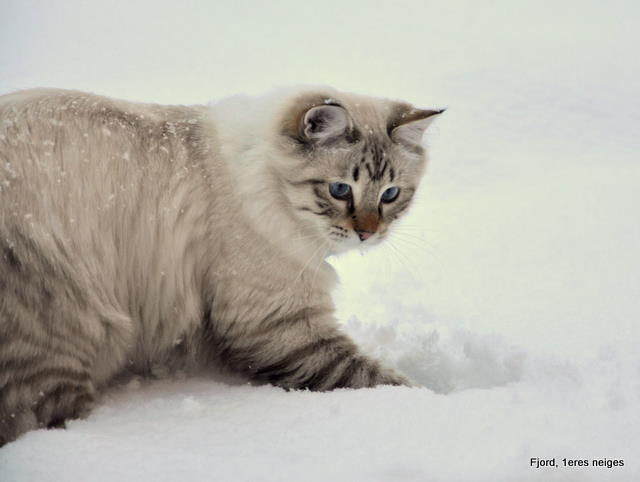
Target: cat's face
[(358, 166)]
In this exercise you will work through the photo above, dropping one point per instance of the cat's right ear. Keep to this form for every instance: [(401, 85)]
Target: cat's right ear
[(409, 125), (325, 123)]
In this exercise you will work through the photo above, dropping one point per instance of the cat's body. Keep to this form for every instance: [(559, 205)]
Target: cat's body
[(134, 234)]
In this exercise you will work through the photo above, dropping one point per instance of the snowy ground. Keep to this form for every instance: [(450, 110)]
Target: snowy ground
[(511, 293)]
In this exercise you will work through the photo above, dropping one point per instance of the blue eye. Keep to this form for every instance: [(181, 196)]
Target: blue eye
[(340, 190), (390, 194)]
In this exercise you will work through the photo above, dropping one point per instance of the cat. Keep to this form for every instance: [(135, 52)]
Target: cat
[(135, 234)]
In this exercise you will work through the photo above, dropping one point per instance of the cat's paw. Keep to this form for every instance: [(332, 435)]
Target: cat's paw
[(387, 376), (368, 373)]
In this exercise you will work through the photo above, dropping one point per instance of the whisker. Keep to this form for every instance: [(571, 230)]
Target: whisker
[(419, 242), (400, 257), (408, 245), (317, 250), (425, 251), (410, 242), (318, 267)]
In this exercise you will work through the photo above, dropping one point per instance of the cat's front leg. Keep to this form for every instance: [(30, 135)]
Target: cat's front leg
[(304, 349)]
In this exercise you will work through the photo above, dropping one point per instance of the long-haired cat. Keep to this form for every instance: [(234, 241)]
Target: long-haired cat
[(135, 234)]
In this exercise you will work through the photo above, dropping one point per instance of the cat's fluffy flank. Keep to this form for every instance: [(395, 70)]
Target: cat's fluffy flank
[(133, 234)]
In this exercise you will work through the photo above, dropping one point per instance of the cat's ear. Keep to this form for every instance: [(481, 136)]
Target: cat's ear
[(325, 123), (408, 126)]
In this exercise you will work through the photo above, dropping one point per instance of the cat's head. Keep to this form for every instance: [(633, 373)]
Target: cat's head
[(353, 165)]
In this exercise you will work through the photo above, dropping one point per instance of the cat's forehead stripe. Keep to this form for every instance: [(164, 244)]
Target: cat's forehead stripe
[(356, 173), (375, 160)]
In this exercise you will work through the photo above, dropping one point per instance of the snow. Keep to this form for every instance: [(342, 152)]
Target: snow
[(510, 295)]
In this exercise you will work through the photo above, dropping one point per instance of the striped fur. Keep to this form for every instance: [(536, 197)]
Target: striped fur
[(133, 235)]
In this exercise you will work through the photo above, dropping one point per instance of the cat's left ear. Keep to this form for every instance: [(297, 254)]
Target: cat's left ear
[(408, 126), (324, 123)]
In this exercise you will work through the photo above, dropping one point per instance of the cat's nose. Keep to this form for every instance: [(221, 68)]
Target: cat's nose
[(364, 235)]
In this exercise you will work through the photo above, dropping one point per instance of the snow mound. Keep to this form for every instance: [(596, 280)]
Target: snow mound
[(441, 359)]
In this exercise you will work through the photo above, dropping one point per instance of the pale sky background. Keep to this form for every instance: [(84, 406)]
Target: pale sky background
[(168, 51)]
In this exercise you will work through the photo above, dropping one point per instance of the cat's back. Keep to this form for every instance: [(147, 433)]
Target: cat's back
[(68, 150), (50, 105), (29, 115), (97, 183), (103, 206), (44, 127)]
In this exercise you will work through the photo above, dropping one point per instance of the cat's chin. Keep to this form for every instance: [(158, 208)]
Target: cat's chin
[(338, 248), (354, 244)]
